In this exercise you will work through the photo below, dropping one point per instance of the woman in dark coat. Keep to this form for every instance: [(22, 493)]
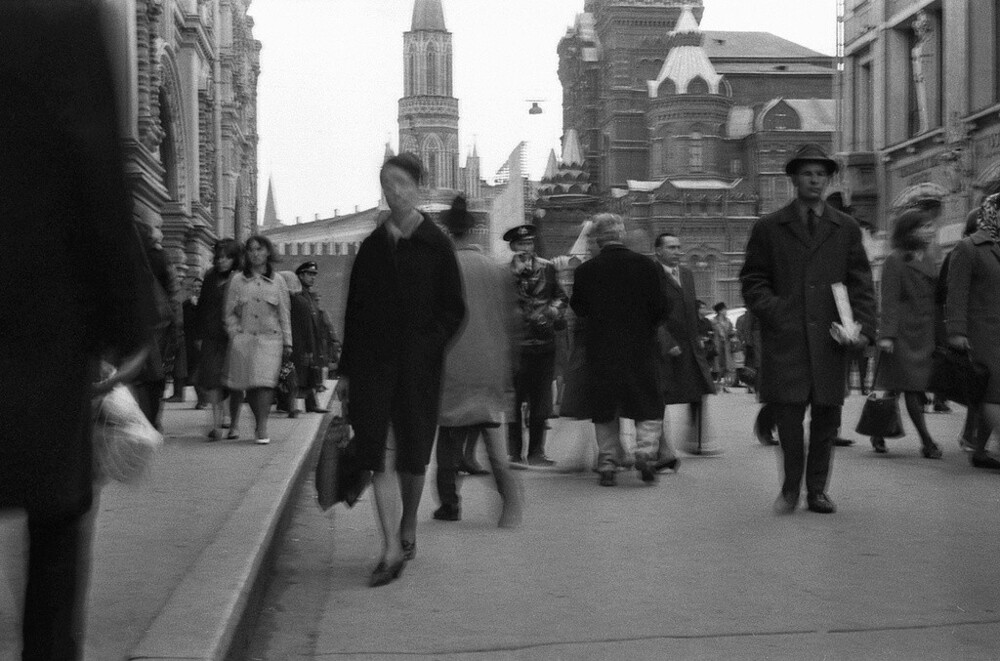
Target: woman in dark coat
[(403, 306), (211, 332), (973, 301), (906, 328)]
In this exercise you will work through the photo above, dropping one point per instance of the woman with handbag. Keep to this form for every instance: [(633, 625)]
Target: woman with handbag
[(971, 317), (906, 328), (260, 331), (404, 304), (210, 332)]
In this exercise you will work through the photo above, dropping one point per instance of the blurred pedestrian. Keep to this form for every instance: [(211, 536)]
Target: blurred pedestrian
[(542, 303), (476, 388), (976, 431), (191, 352), (618, 294), (906, 320), (214, 340), (793, 258), (706, 331), (285, 399), (66, 211), (724, 336), (973, 301), (685, 377), (404, 304), (260, 332)]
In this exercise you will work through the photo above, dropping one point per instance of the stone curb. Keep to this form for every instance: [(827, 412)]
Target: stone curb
[(202, 618)]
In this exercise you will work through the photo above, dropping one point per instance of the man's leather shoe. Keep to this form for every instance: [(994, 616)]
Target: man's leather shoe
[(317, 409), (608, 479), (785, 503), (821, 503), (667, 464), (842, 442), (294, 413), (984, 461), (448, 513), (539, 460), (646, 470)]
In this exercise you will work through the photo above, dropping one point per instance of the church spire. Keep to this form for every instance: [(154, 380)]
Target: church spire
[(270, 209), (428, 15)]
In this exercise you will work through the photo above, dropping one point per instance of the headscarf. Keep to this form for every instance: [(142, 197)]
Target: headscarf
[(989, 216)]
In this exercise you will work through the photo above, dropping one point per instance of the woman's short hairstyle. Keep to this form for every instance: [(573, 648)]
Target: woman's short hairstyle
[(608, 227), (230, 248), (408, 163), (718, 307), (904, 229), (457, 219), (971, 222), (272, 257)]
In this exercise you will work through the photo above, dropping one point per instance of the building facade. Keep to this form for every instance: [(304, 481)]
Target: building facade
[(187, 83), (688, 131), (920, 104)]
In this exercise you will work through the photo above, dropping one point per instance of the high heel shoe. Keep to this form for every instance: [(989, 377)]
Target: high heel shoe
[(385, 574), (931, 451)]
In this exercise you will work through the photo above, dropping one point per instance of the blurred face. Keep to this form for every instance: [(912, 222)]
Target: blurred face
[(401, 191), (523, 245), (703, 310), (810, 181), (257, 254), (195, 288), (926, 232), (224, 263), (308, 279), (669, 251)]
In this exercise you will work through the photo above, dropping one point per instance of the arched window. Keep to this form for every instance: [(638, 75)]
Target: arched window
[(432, 69), (433, 154), (697, 86)]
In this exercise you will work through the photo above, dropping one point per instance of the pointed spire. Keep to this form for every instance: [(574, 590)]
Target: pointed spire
[(572, 155), (388, 152), (687, 59), (270, 209), (428, 15), (552, 168), (687, 23), (475, 151)]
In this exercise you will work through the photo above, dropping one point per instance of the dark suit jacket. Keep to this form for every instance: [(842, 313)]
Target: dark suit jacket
[(73, 278), (619, 296), (786, 279), (685, 378)]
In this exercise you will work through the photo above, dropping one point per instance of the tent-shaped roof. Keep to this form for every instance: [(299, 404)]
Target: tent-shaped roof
[(687, 59), (428, 15)]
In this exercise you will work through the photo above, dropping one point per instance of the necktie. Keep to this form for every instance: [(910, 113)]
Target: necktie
[(811, 222), (676, 275)]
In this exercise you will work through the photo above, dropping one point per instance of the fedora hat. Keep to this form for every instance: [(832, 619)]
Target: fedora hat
[(811, 153)]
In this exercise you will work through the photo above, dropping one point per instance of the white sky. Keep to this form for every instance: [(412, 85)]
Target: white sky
[(332, 74)]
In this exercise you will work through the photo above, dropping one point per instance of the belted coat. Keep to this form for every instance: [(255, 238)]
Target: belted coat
[(786, 281), (687, 377)]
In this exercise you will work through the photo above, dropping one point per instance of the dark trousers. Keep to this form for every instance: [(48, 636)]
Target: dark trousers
[(54, 597), (824, 421), (767, 420), (532, 384)]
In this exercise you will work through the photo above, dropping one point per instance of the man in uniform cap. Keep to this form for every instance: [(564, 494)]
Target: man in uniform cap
[(793, 257), (307, 333), (542, 303)]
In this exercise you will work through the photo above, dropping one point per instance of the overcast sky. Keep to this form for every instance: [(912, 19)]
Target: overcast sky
[(332, 74)]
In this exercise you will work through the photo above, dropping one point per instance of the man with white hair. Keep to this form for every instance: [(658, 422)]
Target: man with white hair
[(618, 294)]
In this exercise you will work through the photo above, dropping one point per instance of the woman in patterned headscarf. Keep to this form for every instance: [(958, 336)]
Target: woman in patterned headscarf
[(973, 300)]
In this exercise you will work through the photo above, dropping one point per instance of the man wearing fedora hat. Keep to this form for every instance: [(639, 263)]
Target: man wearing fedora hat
[(542, 304), (793, 257)]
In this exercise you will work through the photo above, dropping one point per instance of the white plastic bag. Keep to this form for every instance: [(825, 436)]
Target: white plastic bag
[(124, 440), (572, 444)]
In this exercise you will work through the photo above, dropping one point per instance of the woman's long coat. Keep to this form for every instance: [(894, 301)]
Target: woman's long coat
[(907, 318), (786, 279), (619, 297), (973, 307), (687, 377), (478, 387), (403, 306), (259, 326)]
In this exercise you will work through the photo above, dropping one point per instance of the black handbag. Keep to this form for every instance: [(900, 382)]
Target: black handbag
[(340, 475), (957, 377), (880, 414)]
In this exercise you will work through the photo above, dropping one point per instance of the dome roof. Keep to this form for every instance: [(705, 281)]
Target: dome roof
[(687, 60)]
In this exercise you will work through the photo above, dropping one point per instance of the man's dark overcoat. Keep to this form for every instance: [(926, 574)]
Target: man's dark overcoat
[(403, 306), (786, 280), (304, 316), (687, 377), (619, 296), (74, 279)]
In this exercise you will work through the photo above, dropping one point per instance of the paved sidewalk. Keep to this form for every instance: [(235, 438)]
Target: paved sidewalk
[(175, 557)]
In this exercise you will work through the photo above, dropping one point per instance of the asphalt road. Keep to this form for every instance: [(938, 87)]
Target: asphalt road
[(695, 567)]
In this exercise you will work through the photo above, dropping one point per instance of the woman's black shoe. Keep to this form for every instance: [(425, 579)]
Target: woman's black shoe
[(879, 445), (931, 451), (385, 574), (445, 513)]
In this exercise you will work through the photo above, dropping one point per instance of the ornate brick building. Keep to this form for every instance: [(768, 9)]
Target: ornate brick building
[(688, 131), (187, 81)]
